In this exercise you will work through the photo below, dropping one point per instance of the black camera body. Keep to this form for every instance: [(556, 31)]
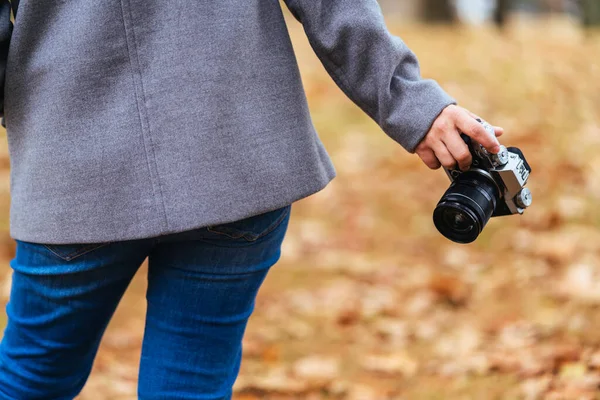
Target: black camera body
[(493, 186)]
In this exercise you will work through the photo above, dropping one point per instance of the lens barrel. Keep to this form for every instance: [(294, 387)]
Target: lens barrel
[(466, 207)]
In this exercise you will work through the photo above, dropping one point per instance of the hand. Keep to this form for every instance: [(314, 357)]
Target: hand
[(443, 145)]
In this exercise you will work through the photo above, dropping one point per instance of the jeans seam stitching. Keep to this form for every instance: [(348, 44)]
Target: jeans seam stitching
[(77, 253)]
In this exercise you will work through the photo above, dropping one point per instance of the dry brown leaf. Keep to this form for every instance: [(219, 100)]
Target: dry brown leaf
[(535, 388), (450, 288), (317, 368), (390, 364)]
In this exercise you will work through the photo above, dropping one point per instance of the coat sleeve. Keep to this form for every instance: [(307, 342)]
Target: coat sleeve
[(6, 27), (375, 69)]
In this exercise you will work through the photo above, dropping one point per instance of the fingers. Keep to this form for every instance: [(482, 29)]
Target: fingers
[(443, 155), (444, 145), (499, 131), (459, 151), (429, 158), (476, 131)]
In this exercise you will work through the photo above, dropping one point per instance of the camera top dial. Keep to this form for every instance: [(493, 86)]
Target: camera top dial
[(493, 160)]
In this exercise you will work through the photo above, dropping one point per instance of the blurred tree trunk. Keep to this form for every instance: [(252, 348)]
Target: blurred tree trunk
[(438, 11), (590, 10), (501, 12)]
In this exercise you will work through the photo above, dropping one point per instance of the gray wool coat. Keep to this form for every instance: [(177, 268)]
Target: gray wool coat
[(130, 119)]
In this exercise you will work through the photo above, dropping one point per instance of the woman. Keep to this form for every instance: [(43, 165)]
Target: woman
[(177, 131)]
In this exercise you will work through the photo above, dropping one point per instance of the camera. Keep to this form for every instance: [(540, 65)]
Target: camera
[(493, 186)]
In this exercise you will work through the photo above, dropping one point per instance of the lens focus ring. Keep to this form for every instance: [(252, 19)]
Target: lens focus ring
[(466, 207)]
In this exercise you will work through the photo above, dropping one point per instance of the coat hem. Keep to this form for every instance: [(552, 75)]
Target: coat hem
[(38, 237)]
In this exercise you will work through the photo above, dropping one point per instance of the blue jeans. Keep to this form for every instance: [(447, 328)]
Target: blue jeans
[(202, 285)]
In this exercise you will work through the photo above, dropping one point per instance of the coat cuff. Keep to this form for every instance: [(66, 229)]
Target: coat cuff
[(409, 121)]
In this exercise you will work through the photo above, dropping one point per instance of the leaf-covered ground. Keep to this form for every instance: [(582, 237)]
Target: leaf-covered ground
[(370, 302)]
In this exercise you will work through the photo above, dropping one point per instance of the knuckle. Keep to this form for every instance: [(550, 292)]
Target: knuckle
[(421, 149), (439, 125), (452, 109), (456, 112), (424, 144)]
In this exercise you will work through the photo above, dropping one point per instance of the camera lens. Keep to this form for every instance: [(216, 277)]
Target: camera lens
[(466, 207), (457, 220)]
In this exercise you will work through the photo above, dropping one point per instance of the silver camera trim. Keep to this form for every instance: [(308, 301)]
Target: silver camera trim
[(513, 176)]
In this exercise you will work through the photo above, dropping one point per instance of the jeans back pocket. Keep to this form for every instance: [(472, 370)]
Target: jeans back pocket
[(252, 228), (69, 252)]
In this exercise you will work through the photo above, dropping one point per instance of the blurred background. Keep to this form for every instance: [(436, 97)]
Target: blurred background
[(369, 301)]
